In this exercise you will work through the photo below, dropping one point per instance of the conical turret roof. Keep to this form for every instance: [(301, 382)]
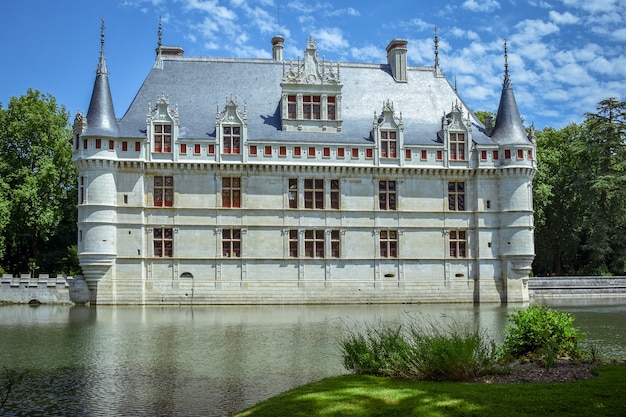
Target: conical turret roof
[(509, 128), (101, 119)]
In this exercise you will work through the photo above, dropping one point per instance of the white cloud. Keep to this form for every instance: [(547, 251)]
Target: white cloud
[(532, 30), (563, 18), (330, 39), (619, 35), (347, 11), (481, 5), (368, 53)]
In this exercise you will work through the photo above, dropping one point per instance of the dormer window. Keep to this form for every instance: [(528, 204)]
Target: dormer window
[(311, 94), (457, 146), (162, 126), (231, 127), (456, 132), (162, 138), (232, 139), (387, 131)]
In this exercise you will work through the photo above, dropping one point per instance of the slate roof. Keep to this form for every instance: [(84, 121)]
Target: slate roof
[(198, 86)]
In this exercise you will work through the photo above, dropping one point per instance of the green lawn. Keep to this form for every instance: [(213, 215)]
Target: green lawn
[(367, 396)]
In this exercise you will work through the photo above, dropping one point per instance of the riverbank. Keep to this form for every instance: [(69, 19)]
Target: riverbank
[(369, 396)]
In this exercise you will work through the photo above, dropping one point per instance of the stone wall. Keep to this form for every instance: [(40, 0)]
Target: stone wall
[(25, 288), (592, 287)]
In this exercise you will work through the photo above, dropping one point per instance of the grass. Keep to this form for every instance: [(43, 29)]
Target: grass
[(370, 396)]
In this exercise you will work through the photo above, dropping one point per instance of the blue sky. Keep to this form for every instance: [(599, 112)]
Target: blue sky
[(564, 55)]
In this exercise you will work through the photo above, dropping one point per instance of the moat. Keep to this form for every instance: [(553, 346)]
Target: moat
[(208, 360)]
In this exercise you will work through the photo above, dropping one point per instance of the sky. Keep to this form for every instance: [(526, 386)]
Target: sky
[(564, 56)]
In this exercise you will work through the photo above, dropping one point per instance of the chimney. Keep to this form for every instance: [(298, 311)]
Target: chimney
[(277, 48), (396, 58), (488, 124)]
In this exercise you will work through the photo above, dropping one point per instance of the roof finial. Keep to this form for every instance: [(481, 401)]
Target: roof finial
[(455, 90), (102, 67), (507, 79), (160, 42), (436, 48)]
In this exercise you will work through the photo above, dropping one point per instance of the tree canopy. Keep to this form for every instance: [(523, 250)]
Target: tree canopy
[(37, 185)]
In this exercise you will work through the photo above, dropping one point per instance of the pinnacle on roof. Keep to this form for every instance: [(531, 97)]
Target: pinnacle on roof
[(101, 119), (509, 127)]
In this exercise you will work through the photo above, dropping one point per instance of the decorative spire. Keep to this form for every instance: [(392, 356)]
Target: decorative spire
[(507, 78), (509, 128), (158, 63), (436, 48), (102, 66), (101, 119)]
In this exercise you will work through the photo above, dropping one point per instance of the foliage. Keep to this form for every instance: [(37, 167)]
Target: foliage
[(368, 396), (542, 333), (37, 184), (579, 194), (423, 351)]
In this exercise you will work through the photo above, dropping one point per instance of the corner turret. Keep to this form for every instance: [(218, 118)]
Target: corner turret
[(101, 119)]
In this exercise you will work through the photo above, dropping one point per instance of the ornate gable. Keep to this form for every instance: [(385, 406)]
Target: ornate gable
[(456, 133)]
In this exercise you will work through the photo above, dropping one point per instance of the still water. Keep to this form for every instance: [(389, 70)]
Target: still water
[(208, 361)]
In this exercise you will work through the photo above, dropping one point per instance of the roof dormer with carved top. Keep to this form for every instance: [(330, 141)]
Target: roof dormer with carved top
[(311, 94)]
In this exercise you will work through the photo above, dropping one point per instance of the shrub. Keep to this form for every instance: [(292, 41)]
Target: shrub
[(539, 332), (422, 350)]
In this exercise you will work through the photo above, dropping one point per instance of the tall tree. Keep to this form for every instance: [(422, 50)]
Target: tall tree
[(39, 180)]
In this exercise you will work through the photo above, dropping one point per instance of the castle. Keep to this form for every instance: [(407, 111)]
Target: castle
[(268, 181)]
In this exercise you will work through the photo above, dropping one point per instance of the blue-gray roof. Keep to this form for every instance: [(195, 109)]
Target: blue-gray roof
[(198, 86)]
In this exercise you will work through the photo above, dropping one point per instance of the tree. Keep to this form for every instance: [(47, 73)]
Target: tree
[(39, 182)]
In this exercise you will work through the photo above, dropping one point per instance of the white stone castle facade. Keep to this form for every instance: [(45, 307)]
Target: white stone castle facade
[(238, 181)]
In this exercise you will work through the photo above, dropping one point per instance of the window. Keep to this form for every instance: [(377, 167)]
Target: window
[(163, 242), (211, 150), (253, 150), (231, 192), (369, 154), (456, 196), (183, 148), (313, 194), (439, 155), (483, 155), (387, 195), (355, 152), (111, 145), (311, 107), (98, 143), (297, 151), (341, 153), (124, 146), (495, 155), (388, 244), (137, 146), (77, 141), (162, 138), (326, 153), (335, 244), (232, 137), (267, 151), (85, 143), (332, 107), (231, 243), (311, 152), (388, 143), (291, 107), (293, 243), (334, 194), (530, 154), (314, 243), (457, 146), (81, 191), (407, 154), (163, 191), (293, 193), (458, 244), (507, 154), (125, 198), (196, 148), (424, 155), (520, 154), (282, 151)]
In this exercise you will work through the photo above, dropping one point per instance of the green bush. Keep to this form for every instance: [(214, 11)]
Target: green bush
[(422, 350), (539, 332)]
